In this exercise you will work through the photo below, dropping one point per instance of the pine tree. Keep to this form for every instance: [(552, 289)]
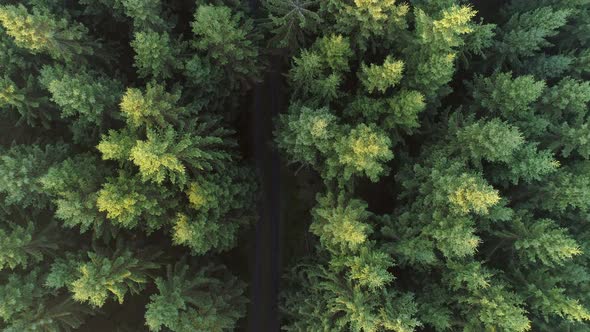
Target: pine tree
[(219, 206), (26, 245), (72, 187), (209, 300), (27, 305), (22, 167), (291, 21), (155, 54), (102, 276), (126, 200), (40, 31)]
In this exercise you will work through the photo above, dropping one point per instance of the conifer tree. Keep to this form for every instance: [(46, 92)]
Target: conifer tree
[(208, 301), (39, 31)]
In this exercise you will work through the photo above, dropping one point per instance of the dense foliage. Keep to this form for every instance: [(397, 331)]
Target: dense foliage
[(436, 153), (476, 134), (127, 163)]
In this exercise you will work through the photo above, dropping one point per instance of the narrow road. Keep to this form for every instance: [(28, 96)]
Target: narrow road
[(266, 273), (263, 313)]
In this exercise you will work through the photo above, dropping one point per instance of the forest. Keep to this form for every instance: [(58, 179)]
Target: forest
[(295, 165)]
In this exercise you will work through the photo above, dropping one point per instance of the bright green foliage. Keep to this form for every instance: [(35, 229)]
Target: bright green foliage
[(146, 14), (153, 107), (366, 81), (561, 305), (400, 111), (127, 200), (527, 33), (341, 228), (489, 305), (447, 201), (83, 94), (469, 194), (162, 154), (431, 56), (219, 206), (21, 168), (166, 152), (73, 186), (511, 97), (404, 110), (126, 120), (366, 21), (117, 275), (209, 300), (307, 135), (226, 39), (328, 303), (118, 118), (466, 184), (360, 300), (158, 157), (453, 22), (22, 246), (488, 192), (544, 241), (363, 150), (313, 137), (382, 77), (494, 141), (317, 74), (370, 268), (41, 32), (155, 55), (117, 145), (168, 145), (224, 59)]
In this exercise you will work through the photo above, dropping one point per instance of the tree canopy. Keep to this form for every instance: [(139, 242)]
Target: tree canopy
[(429, 161)]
